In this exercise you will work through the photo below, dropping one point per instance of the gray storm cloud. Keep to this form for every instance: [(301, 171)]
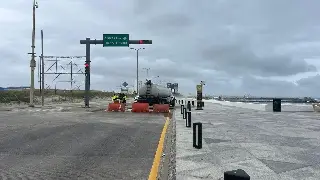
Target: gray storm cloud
[(226, 43)]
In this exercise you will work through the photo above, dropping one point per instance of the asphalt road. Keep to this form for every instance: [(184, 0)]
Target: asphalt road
[(66, 145)]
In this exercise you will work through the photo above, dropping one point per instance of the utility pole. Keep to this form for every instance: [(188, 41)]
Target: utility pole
[(33, 61), (39, 73), (147, 69), (137, 50), (42, 70)]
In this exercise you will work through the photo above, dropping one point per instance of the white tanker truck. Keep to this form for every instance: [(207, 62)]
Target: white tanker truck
[(155, 94)]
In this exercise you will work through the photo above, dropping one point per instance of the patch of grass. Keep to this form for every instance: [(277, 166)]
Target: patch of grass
[(23, 96), (9, 96)]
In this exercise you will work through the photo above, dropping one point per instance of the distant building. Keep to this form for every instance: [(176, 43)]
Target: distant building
[(14, 88)]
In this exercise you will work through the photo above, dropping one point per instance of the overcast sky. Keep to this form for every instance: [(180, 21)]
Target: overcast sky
[(256, 47)]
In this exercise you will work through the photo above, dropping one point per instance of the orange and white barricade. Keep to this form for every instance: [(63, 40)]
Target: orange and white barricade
[(140, 107)]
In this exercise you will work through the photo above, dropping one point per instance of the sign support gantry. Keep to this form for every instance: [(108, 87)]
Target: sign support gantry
[(109, 40)]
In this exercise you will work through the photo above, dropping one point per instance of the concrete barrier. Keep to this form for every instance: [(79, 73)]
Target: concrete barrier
[(286, 107), (260, 107)]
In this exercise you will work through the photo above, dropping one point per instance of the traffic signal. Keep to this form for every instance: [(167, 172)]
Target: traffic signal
[(140, 41), (145, 41), (86, 65)]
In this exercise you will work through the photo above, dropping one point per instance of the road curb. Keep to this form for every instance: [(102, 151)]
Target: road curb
[(156, 165), (5, 109), (11, 108), (168, 152)]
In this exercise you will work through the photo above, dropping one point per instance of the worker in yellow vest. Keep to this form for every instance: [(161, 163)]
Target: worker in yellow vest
[(115, 98), (124, 100)]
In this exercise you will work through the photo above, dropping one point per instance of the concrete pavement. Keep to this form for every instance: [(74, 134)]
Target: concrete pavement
[(81, 145), (267, 145)]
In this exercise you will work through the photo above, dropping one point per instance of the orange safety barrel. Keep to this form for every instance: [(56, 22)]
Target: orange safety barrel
[(161, 108), (116, 107), (140, 107)]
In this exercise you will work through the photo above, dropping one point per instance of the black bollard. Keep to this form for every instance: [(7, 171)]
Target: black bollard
[(197, 136), (238, 174), (184, 113), (181, 101), (188, 120), (182, 106), (199, 105), (192, 103), (189, 106), (276, 105)]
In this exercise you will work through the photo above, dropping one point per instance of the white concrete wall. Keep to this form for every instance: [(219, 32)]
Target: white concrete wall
[(265, 107)]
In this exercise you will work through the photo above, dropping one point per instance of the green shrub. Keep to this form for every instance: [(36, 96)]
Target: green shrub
[(24, 95)]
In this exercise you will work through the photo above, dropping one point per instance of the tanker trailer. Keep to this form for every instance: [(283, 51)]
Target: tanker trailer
[(155, 94)]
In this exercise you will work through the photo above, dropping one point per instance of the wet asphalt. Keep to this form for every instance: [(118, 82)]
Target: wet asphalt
[(82, 145)]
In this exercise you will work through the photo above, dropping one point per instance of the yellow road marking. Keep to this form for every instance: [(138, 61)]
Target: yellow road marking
[(157, 158)]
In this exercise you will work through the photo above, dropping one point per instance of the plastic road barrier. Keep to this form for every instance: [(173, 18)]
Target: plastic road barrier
[(140, 107), (161, 108), (116, 107)]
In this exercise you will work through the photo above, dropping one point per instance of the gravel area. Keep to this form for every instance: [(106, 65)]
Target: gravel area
[(172, 164)]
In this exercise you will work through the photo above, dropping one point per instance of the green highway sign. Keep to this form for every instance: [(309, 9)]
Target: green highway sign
[(115, 40)]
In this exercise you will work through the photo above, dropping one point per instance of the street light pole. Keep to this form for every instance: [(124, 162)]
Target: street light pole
[(33, 61), (147, 69), (202, 83), (137, 50)]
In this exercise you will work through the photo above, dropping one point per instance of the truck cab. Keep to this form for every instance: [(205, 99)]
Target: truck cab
[(173, 101), (136, 99)]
